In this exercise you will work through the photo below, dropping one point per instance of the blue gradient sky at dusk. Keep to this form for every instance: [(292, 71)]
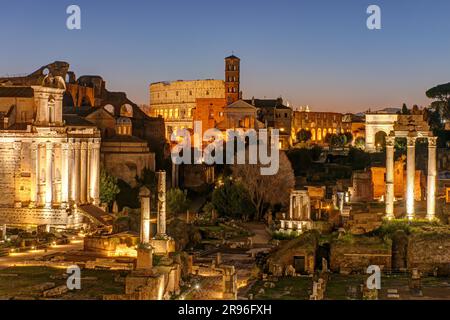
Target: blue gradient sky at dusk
[(312, 52)]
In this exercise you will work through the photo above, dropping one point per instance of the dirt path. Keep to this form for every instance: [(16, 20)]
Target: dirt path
[(261, 236)]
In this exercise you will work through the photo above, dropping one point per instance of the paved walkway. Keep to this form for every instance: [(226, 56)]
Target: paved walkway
[(17, 258)]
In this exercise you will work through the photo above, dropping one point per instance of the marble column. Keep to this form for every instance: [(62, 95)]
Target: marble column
[(83, 173), (40, 201), (410, 176), (144, 194), (48, 174), (88, 171), (72, 180), (389, 198), (34, 174), (161, 227), (64, 174), (76, 173), (431, 180), (291, 206), (3, 232), (94, 173)]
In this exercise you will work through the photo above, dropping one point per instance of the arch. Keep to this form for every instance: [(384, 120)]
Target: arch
[(380, 139), (319, 134), (126, 110), (313, 134), (86, 102), (68, 100), (109, 108)]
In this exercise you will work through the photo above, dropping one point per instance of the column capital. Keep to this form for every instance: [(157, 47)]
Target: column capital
[(65, 146), (411, 141), (432, 142), (390, 141), (84, 145)]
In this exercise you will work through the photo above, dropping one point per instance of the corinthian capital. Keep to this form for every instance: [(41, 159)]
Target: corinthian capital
[(411, 141), (432, 141), (390, 141)]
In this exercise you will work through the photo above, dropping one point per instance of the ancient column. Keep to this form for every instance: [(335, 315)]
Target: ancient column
[(83, 172), (76, 173), (4, 232), (94, 173), (431, 180), (64, 174), (144, 194), (88, 171), (34, 174), (48, 174), (410, 176), (291, 204), (72, 178), (161, 227), (389, 198), (40, 175)]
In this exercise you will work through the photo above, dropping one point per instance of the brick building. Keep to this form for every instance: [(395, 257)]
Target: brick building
[(319, 123)]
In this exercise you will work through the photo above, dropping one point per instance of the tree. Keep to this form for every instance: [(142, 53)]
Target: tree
[(304, 135), (360, 143), (405, 109), (441, 95), (315, 152), (266, 190), (177, 201), (349, 137), (232, 200), (301, 159), (358, 159), (108, 187)]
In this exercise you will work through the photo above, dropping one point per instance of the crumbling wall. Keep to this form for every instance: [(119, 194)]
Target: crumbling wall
[(429, 252), (356, 255)]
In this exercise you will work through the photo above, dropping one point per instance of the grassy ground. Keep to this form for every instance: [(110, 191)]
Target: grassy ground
[(297, 288), (101, 282), (432, 288)]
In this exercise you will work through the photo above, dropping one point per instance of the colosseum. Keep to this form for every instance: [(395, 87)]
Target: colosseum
[(175, 100)]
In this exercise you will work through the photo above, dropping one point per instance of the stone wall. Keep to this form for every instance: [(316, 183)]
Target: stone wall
[(429, 251), (9, 166), (27, 216), (356, 256)]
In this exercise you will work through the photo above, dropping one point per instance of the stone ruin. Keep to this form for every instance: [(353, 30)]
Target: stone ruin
[(149, 282)]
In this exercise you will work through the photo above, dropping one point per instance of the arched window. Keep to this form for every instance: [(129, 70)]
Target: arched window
[(313, 134), (319, 134)]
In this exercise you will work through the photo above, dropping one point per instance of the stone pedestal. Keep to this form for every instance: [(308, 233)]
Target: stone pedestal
[(229, 283), (144, 259), (163, 246)]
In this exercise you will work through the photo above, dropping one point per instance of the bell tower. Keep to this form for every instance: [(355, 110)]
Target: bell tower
[(232, 78)]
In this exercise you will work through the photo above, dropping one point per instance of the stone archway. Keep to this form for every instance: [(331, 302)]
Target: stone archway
[(380, 140), (68, 100)]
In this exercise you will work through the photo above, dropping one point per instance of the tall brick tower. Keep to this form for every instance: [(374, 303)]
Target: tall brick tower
[(232, 78)]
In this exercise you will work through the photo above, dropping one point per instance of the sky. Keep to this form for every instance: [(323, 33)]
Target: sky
[(311, 52)]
